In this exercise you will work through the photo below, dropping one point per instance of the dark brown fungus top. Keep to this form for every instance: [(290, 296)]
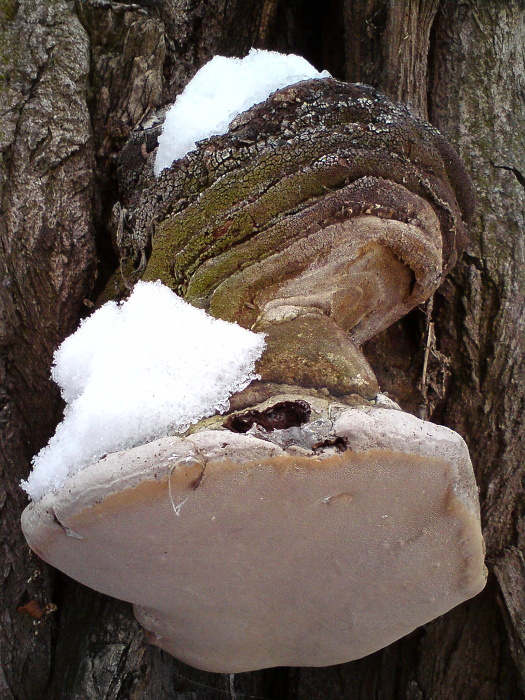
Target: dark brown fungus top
[(326, 200), (279, 162)]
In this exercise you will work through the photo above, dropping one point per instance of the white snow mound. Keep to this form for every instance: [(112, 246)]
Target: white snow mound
[(222, 89), (136, 371)]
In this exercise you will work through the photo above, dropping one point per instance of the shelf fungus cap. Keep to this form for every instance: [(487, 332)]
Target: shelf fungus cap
[(326, 196), (306, 545)]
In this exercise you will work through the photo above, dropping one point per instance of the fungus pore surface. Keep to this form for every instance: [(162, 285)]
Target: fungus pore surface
[(242, 553)]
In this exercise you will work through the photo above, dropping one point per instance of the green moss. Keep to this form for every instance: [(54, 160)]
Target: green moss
[(311, 351), (8, 10), (239, 202)]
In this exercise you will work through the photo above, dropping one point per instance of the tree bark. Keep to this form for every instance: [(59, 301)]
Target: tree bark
[(47, 267), (76, 79)]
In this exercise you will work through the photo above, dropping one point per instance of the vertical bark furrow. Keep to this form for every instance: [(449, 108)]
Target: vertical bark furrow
[(477, 100), (47, 270), (407, 47)]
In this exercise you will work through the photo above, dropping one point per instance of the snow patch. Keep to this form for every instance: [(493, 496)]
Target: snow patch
[(136, 371), (222, 89)]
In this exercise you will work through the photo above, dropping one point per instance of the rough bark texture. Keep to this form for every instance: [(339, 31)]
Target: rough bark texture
[(107, 64), (47, 267)]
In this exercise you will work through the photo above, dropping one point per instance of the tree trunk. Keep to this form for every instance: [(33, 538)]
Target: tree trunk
[(76, 79)]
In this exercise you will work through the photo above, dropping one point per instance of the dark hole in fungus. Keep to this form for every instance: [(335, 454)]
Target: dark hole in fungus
[(340, 443), (285, 414)]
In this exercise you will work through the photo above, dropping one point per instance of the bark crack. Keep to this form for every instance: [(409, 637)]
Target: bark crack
[(511, 169)]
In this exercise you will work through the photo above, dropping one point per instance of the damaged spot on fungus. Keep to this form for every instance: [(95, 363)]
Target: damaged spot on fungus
[(339, 443), (282, 415)]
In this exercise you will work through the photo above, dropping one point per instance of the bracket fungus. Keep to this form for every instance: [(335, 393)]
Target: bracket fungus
[(312, 525)]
